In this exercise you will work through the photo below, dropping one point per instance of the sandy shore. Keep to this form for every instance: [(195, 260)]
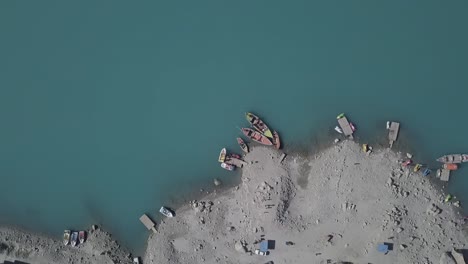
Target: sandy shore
[(335, 206)]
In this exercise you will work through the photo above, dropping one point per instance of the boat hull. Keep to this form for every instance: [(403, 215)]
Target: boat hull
[(453, 158), (222, 155), (276, 140), (166, 212), (228, 167), (243, 145), (74, 239), (338, 129), (450, 166), (258, 125), (66, 237), (256, 136), (82, 236)]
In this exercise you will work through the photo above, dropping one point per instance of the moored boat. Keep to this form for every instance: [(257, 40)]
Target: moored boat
[(276, 140), (66, 237), (353, 128), (426, 172), (340, 116), (233, 155), (450, 166), (222, 155), (242, 145), (256, 136), (448, 198), (453, 158), (258, 124), (417, 167), (82, 236), (338, 129), (407, 162), (166, 211), (74, 239), (228, 167)]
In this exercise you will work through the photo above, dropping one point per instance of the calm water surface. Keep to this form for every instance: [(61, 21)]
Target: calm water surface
[(111, 109)]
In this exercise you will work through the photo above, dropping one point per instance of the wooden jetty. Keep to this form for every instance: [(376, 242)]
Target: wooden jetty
[(344, 124), (444, 175), (393, 132), (149, 224)]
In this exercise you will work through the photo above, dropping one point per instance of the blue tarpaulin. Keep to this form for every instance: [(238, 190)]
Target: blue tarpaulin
[(382, 248), (264, 246)]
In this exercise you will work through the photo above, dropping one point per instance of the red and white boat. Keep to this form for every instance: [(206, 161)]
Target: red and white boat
[(256, 136)]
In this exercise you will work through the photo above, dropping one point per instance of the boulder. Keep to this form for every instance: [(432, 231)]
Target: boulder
[(240, 248), (433, 210)]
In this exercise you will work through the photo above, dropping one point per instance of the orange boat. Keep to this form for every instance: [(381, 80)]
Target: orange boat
[(256, 136), (450, 166), (276, 140)]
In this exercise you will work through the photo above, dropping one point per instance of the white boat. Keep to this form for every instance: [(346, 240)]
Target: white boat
[(338, 129), (222, 155), (166, 211), (227, 166), (74, 239), (66, 237), (453, 158), (136, 260)]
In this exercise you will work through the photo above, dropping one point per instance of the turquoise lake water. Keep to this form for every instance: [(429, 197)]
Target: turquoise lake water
[(110, 109)]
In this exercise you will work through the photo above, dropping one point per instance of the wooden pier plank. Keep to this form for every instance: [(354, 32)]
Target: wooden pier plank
[(393, 132), (344, 124), (149, 224), (445, 175)]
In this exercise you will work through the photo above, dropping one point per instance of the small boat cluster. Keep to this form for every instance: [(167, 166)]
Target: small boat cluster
[(74, 237), (259, 132), (450, 162), (343, 123)]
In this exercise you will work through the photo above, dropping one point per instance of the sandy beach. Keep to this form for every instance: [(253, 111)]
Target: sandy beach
[(335, 206)]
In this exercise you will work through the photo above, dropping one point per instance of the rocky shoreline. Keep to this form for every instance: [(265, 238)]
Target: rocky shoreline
[(100, 247), (334, 206)]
